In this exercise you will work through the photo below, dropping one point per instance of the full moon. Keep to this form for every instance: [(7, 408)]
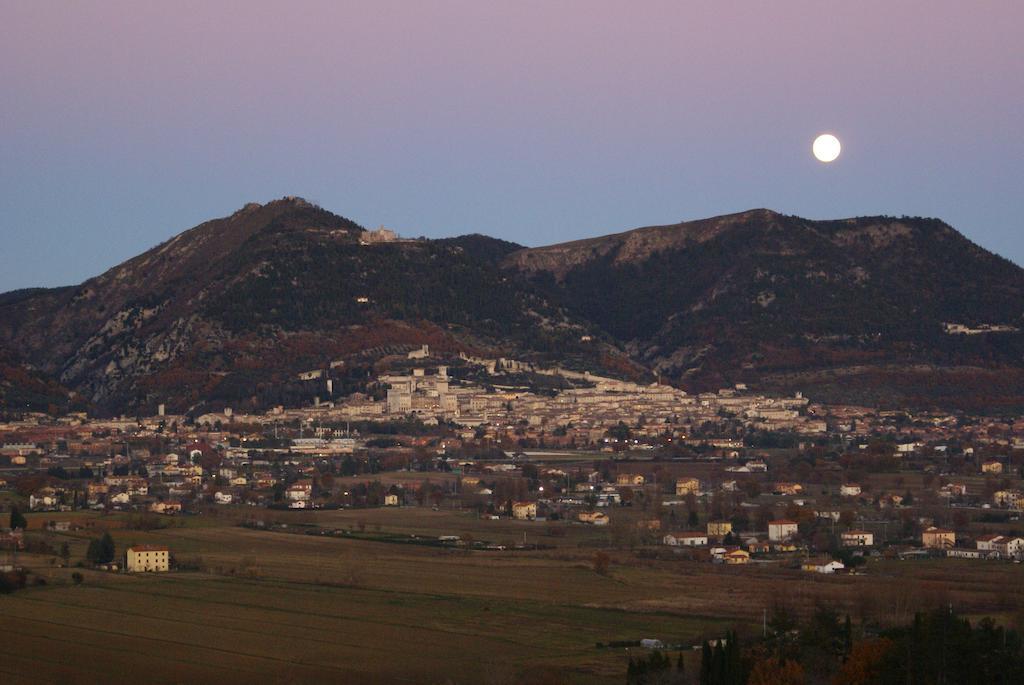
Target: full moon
[(826, 147)]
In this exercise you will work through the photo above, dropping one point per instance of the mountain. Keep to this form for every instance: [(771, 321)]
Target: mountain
[(231, 310), (856, 310), (876, 310)]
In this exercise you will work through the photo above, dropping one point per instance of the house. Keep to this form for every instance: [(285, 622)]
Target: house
[(992, 466), (391, 500), (736, 556), (755, 546), (44, 499), (953, 490), (147, 558), (858, 538), (822, 565), (685, 539), (938, 538), (890, 500), (1010, 499), (1008, 547), (524, 511), (629, 479), (719, 529), (222, 497), (787, 488), (687, 486), (95, 492), (987, 543), (849, 490), (595, 518), (167, 508), (781, 529), (299, 491)]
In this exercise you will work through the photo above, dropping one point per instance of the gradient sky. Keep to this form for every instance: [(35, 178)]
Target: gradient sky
[(123, 123)]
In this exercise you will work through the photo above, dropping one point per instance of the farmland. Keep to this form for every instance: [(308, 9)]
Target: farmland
[(285, 605)]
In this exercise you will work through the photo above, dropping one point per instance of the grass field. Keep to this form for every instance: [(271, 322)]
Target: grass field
[(289, 607)]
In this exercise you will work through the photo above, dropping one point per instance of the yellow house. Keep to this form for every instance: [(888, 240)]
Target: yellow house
[(146, 558), (938, 538), (992, 466), (685, 486), (719, 529), (629, 479), (596, 518), (736, 556), (526, 511)]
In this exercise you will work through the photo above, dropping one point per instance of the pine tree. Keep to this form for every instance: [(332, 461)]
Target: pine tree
[(705, 663), (17, 519), (107, 547), (718, 665), (847, 636)]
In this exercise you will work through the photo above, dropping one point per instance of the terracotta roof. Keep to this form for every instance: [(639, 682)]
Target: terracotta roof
[(149, 548)]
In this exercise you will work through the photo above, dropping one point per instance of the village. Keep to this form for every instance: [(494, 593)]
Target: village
[(733, 477)]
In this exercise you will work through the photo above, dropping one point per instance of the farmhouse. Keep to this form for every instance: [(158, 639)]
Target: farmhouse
[(719, 529), (1006, 546), (165, 507), (147, 558), (685, 539), (822, 565), (938, 538), (596, 518), (686, 486), (858, 538), (781, 529), (525, 511), (629, 479), (1011, 499), (736, 556)]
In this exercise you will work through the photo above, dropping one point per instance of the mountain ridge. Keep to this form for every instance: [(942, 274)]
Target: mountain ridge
[(233, 306)]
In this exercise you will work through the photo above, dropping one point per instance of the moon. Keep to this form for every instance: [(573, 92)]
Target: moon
[(826, 148)]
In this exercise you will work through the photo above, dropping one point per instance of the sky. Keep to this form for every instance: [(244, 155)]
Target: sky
[(124, 123)]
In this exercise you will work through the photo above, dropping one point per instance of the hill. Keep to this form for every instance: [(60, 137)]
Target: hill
[(878, 310), (871, 309), (231, 310)]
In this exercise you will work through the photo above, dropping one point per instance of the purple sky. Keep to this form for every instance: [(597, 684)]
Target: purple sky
[(122, 123)]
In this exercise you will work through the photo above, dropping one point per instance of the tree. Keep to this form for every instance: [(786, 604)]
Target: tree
[(17, 519), (101, 551), (865, 663), (776, 672), (65, 553), (705, 663), (77, 578)]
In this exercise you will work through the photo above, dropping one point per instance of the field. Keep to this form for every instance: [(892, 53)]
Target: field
[(286, 606)]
